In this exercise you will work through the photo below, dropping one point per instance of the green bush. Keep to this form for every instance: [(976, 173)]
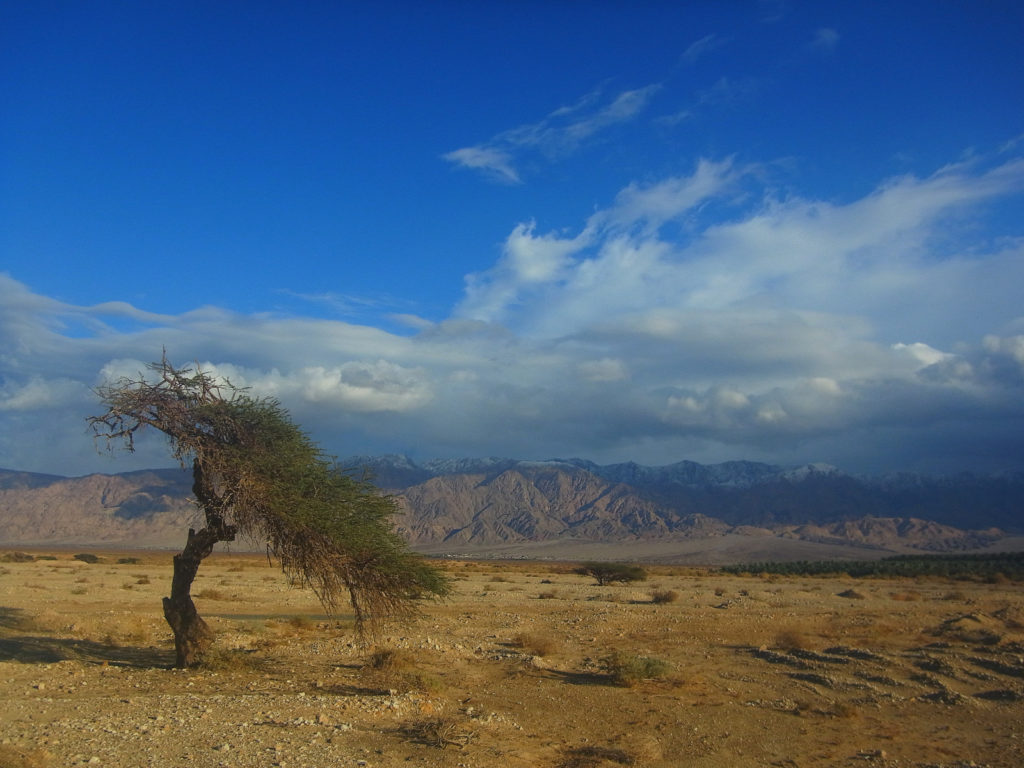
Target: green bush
[(608, 573), (87, 557), (16, 557), (630, 668)]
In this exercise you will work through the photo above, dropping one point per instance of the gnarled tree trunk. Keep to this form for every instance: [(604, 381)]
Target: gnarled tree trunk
[(192, 635)]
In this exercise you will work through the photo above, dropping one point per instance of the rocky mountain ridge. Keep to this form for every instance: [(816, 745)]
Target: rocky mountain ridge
[(469, 504)]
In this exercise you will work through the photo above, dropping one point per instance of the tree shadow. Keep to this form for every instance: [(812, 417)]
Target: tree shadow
[(28, 649), (17, 643), (345, 689), (13, 618), (582, 678)]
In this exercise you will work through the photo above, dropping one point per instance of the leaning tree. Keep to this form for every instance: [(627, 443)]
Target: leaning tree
[(258, 475)]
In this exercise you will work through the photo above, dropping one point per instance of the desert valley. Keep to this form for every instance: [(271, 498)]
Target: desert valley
[(527, 665)]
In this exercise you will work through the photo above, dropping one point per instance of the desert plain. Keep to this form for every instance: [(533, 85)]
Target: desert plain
[(526, 665)]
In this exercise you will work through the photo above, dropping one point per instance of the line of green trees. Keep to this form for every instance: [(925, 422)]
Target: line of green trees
[(1008, 565)]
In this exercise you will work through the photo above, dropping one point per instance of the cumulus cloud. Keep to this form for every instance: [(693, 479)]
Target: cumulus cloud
[(560, 133), (702, 316)]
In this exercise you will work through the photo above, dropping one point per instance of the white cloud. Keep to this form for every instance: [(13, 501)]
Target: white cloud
[(562, 132), (702, 47), (495, 163), (703, 316)]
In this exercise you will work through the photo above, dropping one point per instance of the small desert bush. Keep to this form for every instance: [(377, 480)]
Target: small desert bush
[(440, 731), (211, 593), (498, 579), (16, 557), (550, 594), (301, 623), (536, 644), (87, 557), (853, 594), (79, 590), (127, 561), (661, 596), (791, 640), (595, 757), (396, 670), (905, 597), (630, 669), (142, 580)]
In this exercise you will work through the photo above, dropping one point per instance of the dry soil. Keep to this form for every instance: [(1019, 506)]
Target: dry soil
[(527, 664)]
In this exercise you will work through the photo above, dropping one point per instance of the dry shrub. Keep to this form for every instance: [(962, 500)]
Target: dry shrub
[(594, 757), (440, 732), (395, 670), (955, 595), (853, 594), (662, 596), (791, 640), (905, 597), (389, 660), (549, 595), (301, 623), (210, 593), (13, 757), (843, 709), (78, 590), (536, 644), (16, 557), (498, 579)]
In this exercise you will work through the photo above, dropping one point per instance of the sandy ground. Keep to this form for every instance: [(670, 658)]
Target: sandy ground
[(517, 669)]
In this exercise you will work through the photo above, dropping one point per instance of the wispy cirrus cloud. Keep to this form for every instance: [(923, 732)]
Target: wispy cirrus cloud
[(825, 39), (562, 132), (702, 47)]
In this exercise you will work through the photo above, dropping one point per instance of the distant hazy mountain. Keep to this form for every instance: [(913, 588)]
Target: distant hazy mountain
[(462, 504)]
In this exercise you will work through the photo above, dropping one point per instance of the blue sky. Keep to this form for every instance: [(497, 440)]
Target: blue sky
[(779, 231)]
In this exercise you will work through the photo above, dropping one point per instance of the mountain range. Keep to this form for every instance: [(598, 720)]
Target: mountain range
[(683, 512)]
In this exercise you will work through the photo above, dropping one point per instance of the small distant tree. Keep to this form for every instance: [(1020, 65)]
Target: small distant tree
[(257, 474), (609, 573)]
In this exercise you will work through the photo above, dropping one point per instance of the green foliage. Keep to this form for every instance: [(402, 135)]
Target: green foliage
[(983, 566), (87, 557), (608, 573), (630, 669), (259, 474)]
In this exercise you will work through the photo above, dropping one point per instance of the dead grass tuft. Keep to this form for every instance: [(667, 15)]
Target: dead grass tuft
[(211, 593), (662, 596), (440, 732), (792, 640), (536, 644)]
